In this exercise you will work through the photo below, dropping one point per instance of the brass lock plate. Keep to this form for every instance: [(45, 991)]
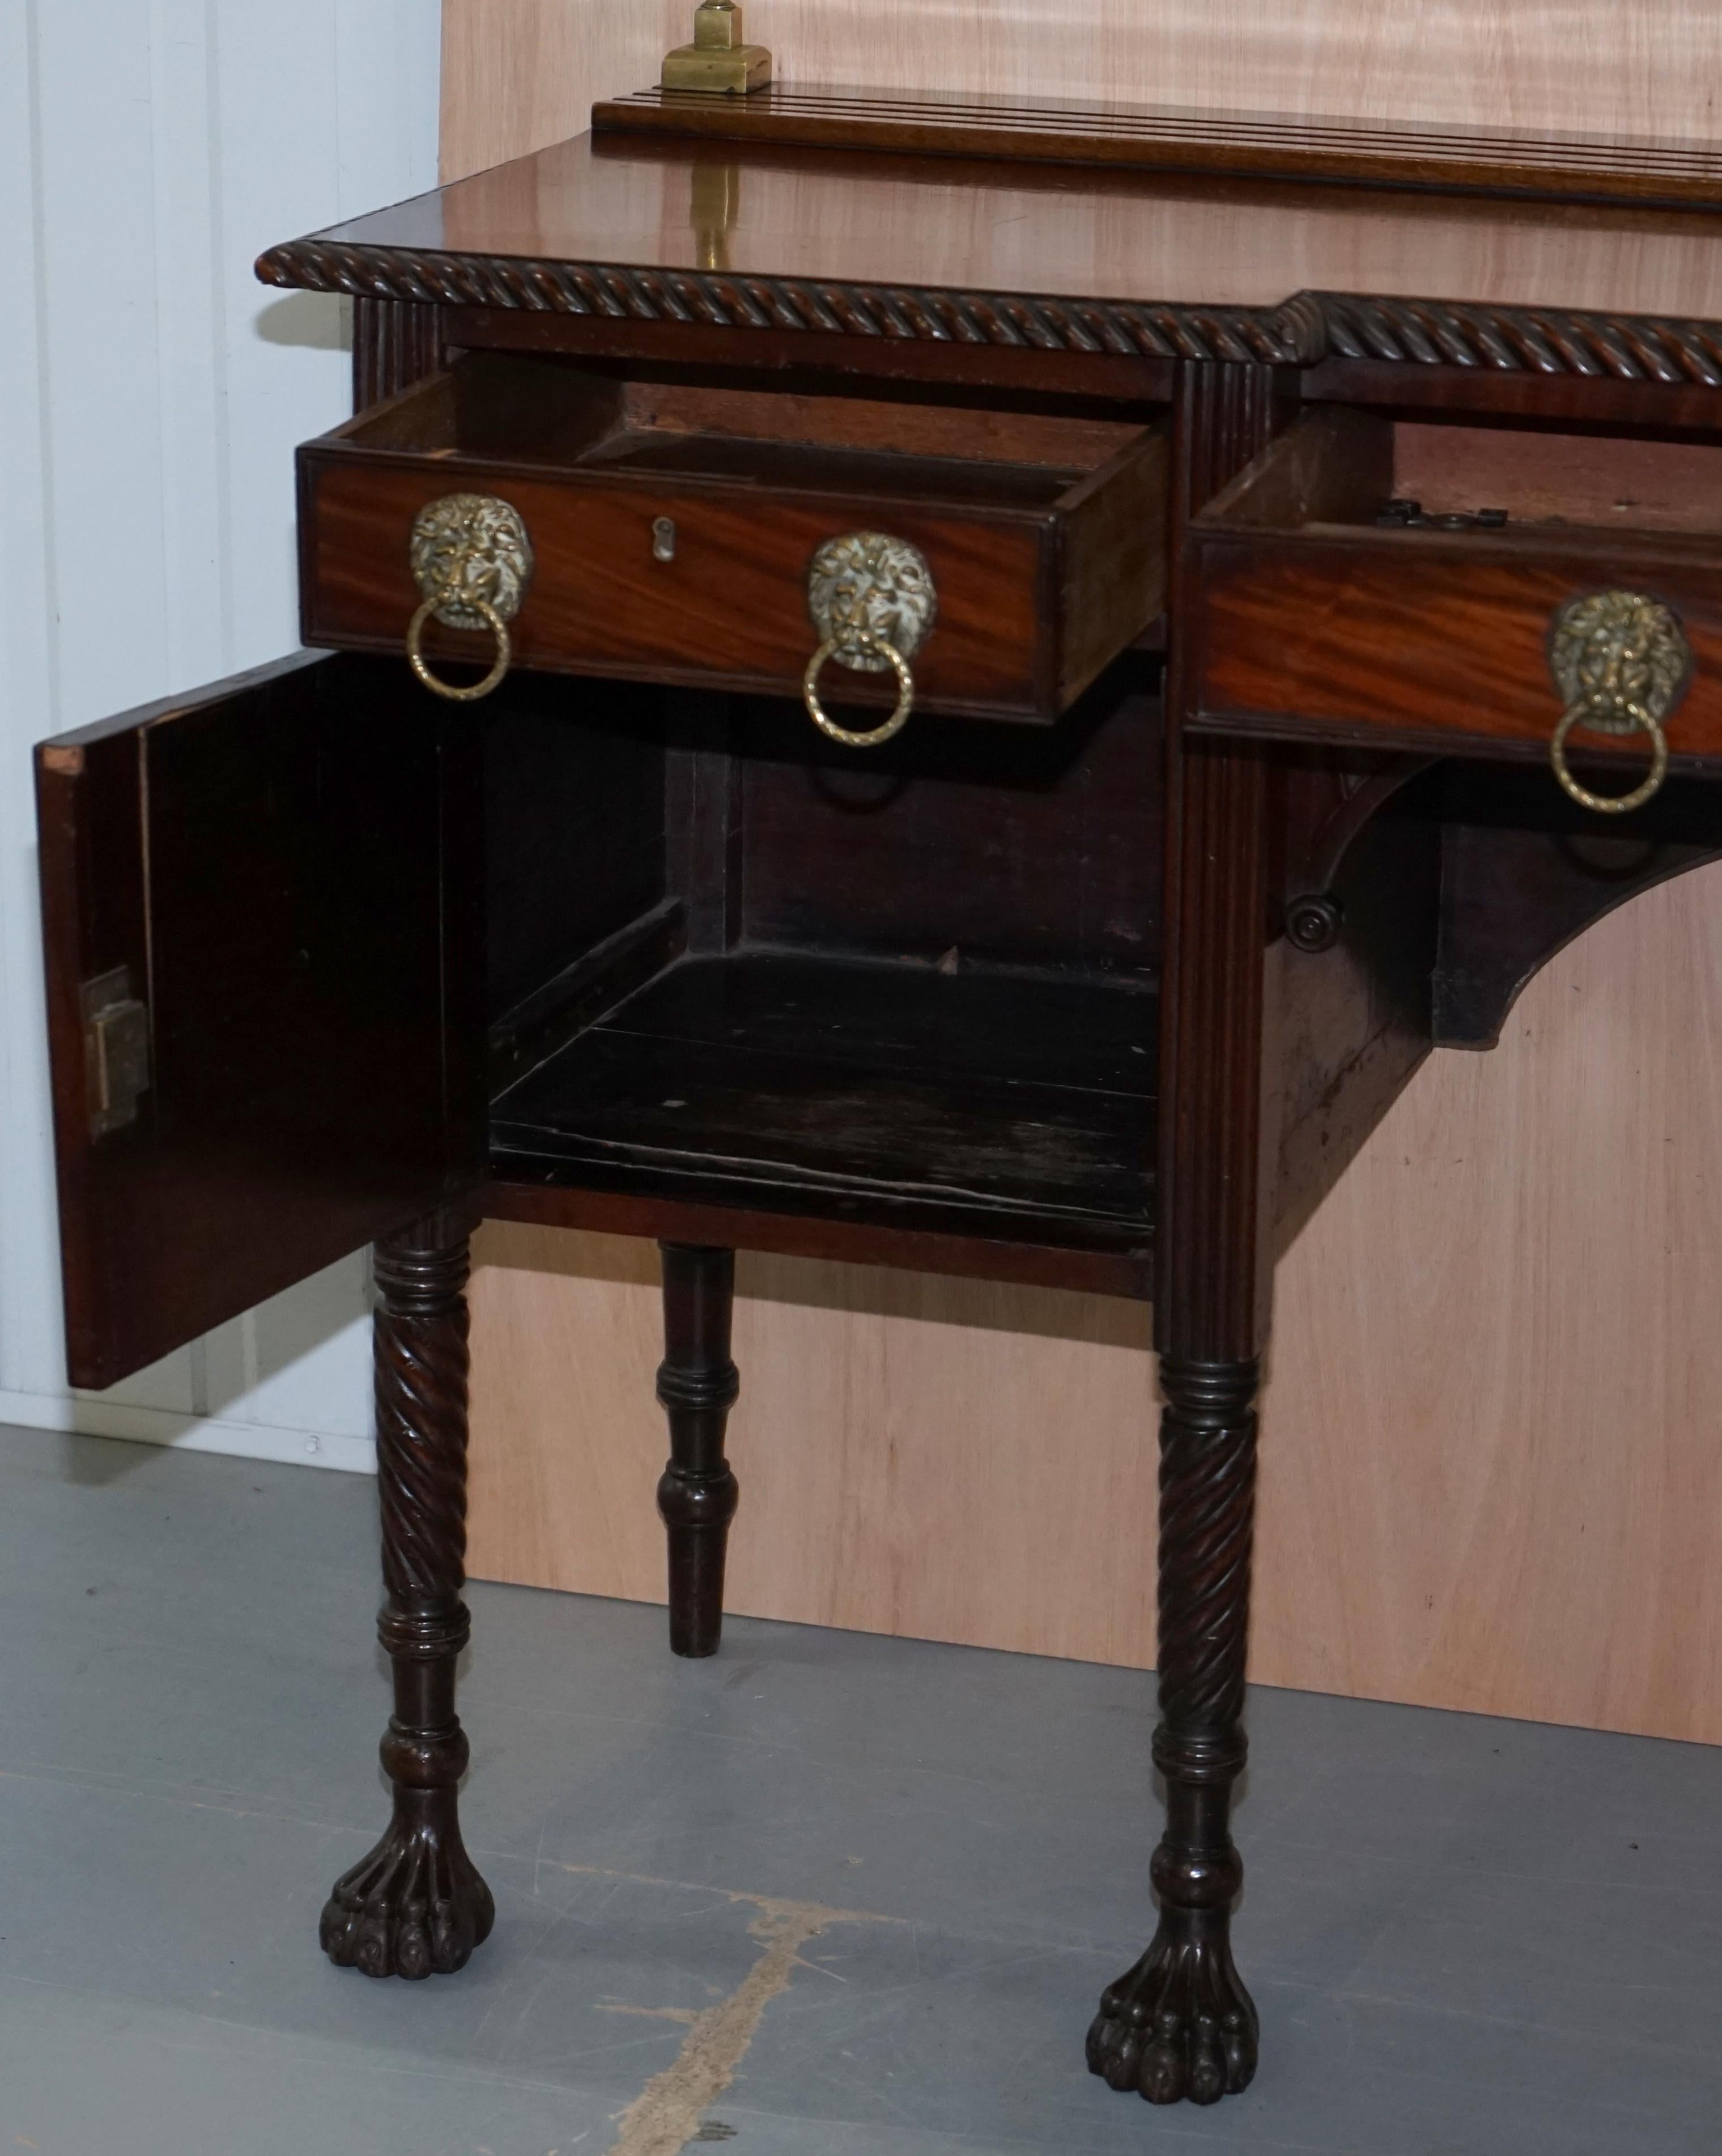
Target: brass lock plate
[(117, 1050)]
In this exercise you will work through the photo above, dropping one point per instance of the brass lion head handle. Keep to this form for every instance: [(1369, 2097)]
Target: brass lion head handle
[(1620, 662), (472, 561), (872, 601)]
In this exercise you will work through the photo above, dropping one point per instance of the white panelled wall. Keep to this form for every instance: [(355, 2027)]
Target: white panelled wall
[(151, 395)]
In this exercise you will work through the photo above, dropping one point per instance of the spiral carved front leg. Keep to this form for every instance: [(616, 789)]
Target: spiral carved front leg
[(416, 1903), (1180, 2023), (419, 1342), (1207, 1523)]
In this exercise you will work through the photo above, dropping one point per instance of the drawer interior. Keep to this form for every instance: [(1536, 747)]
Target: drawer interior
[(675, 517), (550, 414), (729, 964), (1373, 578), (1343, 468)]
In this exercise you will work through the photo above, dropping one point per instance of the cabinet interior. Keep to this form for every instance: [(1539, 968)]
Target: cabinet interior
[(731, 960)]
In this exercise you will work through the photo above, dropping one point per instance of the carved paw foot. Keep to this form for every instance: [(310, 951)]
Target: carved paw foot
[(414, 1906), (1180, 2023)]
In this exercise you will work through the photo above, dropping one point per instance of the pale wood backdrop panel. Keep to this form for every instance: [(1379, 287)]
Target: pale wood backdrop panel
[(1490, 1472), (518, 73), (950, 1460)]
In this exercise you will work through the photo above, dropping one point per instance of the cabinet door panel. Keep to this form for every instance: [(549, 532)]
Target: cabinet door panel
[(262, 911)]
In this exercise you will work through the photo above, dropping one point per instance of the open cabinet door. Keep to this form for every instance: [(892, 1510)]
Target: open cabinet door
[(263, 913)]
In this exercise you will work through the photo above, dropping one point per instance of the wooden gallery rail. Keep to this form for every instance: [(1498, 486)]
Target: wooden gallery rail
[(899, 697)]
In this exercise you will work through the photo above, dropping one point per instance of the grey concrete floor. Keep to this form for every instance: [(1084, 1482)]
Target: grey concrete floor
[(1463, 1935)]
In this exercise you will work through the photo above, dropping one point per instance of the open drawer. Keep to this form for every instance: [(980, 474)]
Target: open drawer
[(1438, 586), (673, 531)]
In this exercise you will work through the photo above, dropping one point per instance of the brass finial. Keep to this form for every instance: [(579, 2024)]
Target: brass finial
[(717, 59)]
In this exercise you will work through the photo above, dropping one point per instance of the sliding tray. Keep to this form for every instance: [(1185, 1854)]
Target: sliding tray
[(673, 531), (1476, 589)]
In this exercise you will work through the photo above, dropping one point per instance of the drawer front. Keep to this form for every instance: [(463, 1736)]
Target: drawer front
[(730, 605), (1428, 641)]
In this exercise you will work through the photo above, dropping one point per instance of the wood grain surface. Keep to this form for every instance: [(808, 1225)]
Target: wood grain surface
[(1044, 572), (647, 204), (274, 849), (1425, 639), (1559, 165), (1488, 1473), (520, 73), (954, 1460)]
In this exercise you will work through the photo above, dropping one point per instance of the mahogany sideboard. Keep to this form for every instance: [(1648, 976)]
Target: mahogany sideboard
[(915, 680)]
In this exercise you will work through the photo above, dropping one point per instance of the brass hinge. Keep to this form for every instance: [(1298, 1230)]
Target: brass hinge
[(117, 1050)]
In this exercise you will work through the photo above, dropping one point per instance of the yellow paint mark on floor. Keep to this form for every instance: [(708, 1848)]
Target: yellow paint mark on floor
[(665, 2116), (722, 1893)]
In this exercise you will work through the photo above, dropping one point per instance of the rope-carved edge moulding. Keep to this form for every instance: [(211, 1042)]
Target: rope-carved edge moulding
[(1309, 328), (729, 300), (1518, 340)]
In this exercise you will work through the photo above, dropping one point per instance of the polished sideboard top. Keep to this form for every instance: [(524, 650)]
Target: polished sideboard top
[(1512, 269)]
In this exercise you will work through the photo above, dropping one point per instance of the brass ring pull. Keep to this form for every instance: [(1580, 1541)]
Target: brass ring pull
[(880, 647), (1620, 662), (1611, 804), (472, 561), (871, 598), (421, 666)]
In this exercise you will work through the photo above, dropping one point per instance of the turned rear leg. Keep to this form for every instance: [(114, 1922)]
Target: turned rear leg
[(697, 1384)]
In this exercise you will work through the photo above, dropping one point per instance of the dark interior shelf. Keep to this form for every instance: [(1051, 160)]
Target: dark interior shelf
[(1008, 1105)]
